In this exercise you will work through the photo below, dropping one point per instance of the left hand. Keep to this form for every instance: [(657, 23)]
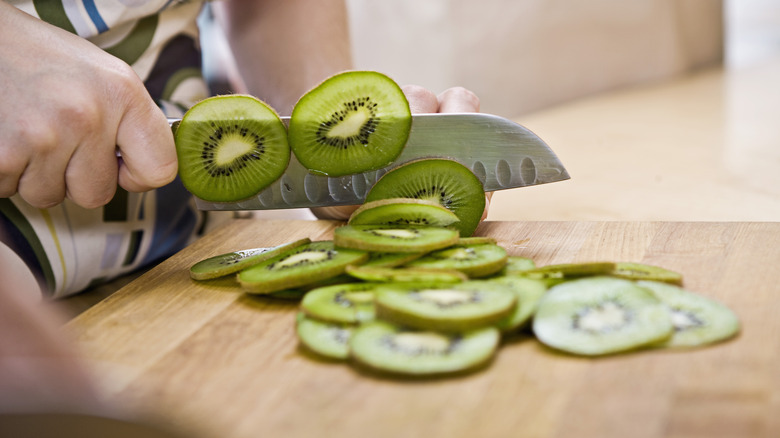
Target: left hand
[(421, 100)]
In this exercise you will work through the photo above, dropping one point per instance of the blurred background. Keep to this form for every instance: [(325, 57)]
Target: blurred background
[(660, 109)]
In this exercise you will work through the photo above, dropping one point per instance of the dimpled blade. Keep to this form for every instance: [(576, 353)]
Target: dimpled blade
[(500, 152)]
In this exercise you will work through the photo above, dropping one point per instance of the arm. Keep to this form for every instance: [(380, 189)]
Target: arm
[(284, 48)]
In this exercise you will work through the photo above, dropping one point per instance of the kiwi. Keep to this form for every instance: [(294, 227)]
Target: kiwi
[(529, 292), (406, 275), (697, 320), (326, 339), (571, 270), (476, 240), (352, 122), (641, 271), (307, 264), (518, 265), (393, 238), (445, 181), (342, 303), (600, 315), (230, 148), (473, 260), (391, 259), (403, 211), (232, 262), (452, 307), (389, 348)]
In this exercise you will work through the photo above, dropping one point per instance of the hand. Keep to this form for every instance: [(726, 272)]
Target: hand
[(421, 100), (67, 106)]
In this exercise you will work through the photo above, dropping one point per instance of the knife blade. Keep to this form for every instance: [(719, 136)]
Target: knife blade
[(501, 153)]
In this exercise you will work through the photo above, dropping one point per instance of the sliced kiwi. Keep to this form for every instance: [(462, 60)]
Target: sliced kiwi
[(353, 122), (518, 265), (345, 303), (473, 260), (529, 292), (394, 238), (453, 307), (406, 275), (600, 315), (641, 271), (570, 270), (307, 264), (445, 181), (391, 259), (697, 320), (403, 211), (327, 339), (230, 147), (476, 240), (232, 262), (386, 347)]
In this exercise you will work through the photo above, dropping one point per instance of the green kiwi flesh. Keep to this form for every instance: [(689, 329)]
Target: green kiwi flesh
[(529, 292), (307, 264), (473, 260), (230, 148), (343, 303), (391, 259), (518, 265), (406, 275), (388, 348), (353, 122), (451, 307), (328, 340), (697, 320), (445, 181), (600, 315), (571, 270), (232, 262), (403, 211), (641, 271), (393, 238)]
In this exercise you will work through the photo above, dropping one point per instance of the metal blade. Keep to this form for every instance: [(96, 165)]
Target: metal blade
[(502, 153)]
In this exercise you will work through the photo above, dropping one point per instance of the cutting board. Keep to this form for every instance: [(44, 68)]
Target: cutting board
[(215, 362)]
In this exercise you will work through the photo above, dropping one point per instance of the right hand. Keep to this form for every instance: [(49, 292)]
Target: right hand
[(67, 106)]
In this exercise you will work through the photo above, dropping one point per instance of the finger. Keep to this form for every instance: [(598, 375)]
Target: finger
[(146, 142), (458, 100), (339, 213), (91, 174), (421, 100), (42, 184)]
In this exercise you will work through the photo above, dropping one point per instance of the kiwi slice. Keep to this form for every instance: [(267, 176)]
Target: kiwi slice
[(230, 148), (473, 260), (518, 265), (529, 292), (307, 264), (445, 181), (352, 122), (394, 238), (571, 270), (476, 240), (600, 315), (452, 307), (406, 275), (697, 320), (385, 347), (342, 303), (232, 262), (327, 339), (403, 211), (641, 271), (391, 259)]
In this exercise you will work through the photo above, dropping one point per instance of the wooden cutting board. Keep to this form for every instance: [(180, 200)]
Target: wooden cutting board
[(212, 361)]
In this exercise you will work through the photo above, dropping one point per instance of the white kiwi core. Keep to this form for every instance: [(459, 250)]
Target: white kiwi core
[(303, 257), (231, 149), (351, 124), (396, 232)]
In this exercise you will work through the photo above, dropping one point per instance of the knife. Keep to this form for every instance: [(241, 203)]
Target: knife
[(500, 152)]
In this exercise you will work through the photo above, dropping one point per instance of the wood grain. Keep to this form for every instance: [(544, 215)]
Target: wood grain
[(210, 359)]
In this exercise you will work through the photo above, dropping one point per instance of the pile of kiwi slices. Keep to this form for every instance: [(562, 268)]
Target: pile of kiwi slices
[(398, 296), (231, 147)]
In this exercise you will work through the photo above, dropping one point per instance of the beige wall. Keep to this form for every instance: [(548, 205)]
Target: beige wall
[(522, 55)]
